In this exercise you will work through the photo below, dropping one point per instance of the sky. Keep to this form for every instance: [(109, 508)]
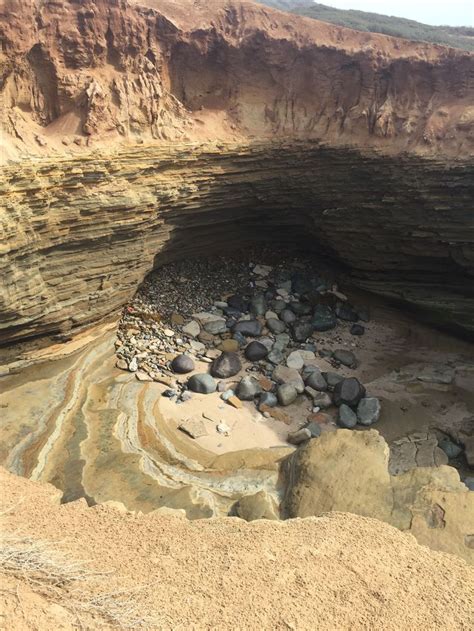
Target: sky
[(452, 12)]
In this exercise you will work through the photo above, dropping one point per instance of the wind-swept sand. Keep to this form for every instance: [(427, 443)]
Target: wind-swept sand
[(335, 572)]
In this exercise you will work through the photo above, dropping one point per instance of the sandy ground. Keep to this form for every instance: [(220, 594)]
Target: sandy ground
[(335, 572)]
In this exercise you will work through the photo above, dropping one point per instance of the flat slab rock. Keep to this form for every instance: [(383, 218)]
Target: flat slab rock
[(193, 427)]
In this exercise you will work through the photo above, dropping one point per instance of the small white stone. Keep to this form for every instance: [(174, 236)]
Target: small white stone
[(133, 365), (262, 270), (223, 428), (168, 332)]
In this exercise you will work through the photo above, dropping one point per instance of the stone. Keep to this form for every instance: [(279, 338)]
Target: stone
[(281, 341), (205, 316), (226, 365), (177, 319), (276, 326), (202, 383), (346, 417), (248, 328), (345, 311), (287, 316), (229, 346), (283, 374), (321, 400), (321, 418), (278, 305), (349, 391), (168, 332), (300, 308), (197, 347), (240, 339), (450, 448), (215, 327), (169, 393), (316, 381), (300, 436), (345, 357), (133, 365), (286, 394), (469, 482), (194, 428), (271, 315), (143, 376), (260, 505), (301, 330), (258, 305), (314, 428), (300, 284), (363, 314), (248, 389), (238, 303), (223, 428), (225, 396), (368, 411), (275, 356), (235, 402), (255, 351), (267, 342), (295, 360), (436, 373), (182, 364), (265, 383), (267, 399), (324, 318), (357, 329), (332, 379), (262, 270), (121, 364)]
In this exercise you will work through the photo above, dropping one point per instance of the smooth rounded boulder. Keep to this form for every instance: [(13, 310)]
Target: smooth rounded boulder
[(182, 364), (248, 389), (324, 318), (226, 365), (349, 392), (256, 351), (202, 383), (248, 328)]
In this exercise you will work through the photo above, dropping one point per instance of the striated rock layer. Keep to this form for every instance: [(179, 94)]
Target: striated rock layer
[(80, 234), (372, 163)]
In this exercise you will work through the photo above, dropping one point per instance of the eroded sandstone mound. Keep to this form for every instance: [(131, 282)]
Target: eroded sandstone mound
[(337, 571)]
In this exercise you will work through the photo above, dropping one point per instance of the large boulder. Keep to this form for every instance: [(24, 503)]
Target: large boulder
[(226, 365), (182, 364), (202, 383), (349, 391)]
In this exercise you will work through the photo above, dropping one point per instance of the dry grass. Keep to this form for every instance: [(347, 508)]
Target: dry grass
[(70, 583)]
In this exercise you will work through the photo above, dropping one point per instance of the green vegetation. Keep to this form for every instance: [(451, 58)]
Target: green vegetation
[(455, 36)]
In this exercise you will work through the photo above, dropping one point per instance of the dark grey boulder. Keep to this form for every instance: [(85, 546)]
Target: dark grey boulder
[(368, 411), (275, 356), (248, 328), (202, 383), (347, 358), (300, 436), (348, 391), (182, 364), (346, 417), (301, 330), (450, 448), (357, 329), (346, 311), (316, 381), (256, 351), (286, 394), (237, 302), (276, 326), (287, 316), (278, 305), (248, 389), (332, 379), (215, 327), (324, 318), (300, 308), (226, 365)]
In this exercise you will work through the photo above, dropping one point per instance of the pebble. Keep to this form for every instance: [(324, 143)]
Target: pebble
[(229, 346), (314, 428), (223, 428), (133, 365), (249, 328), (316, 380), (268, 399), (450, 448), (283, 374), (194, 428), (262, 270), (324, 318), (287, 316), (169, 332), (357, 329), (215, 327), (276, 326), (301, 330), (225, 396), (234, 402), (300, 436)]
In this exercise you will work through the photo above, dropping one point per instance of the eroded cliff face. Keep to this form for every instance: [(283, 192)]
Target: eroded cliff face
[(355, 145), (110, 70)]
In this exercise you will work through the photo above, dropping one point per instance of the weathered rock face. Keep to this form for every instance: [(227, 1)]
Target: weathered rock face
[(348, 471), (81, 234), (85, 222)]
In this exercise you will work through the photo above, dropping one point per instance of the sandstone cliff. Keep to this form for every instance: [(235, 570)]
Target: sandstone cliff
[(107, 106)]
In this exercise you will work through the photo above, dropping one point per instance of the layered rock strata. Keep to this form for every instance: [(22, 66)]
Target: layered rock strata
[(80, 234)]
